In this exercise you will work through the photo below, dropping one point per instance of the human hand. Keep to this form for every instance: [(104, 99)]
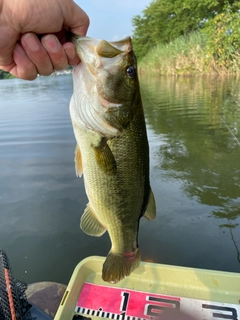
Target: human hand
[(33, 36)]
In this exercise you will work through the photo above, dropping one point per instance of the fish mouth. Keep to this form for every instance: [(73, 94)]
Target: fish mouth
[(123, 45), (96, 81), (94, 55), (93, 52)]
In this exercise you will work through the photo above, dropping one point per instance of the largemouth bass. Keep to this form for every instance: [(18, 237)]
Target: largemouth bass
[(112, 149)]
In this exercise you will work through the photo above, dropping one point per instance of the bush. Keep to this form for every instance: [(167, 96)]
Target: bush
[(185, 55), (223, 33)]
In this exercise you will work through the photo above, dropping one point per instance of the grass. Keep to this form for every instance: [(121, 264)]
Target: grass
[(186, 55)]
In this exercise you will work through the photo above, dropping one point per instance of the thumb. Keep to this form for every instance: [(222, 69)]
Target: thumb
[(76, 19)]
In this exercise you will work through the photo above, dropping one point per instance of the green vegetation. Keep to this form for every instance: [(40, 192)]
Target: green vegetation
[(188, 37), (5, 75), (184, 55)]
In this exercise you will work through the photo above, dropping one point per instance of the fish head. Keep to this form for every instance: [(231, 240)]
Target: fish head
[(106, 84)]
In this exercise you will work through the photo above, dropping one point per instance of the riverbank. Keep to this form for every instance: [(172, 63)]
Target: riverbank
[(188, 56)]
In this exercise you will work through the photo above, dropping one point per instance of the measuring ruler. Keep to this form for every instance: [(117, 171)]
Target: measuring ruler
[(125, 304)]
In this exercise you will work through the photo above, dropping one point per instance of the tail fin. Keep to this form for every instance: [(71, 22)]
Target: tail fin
[(119, 265)]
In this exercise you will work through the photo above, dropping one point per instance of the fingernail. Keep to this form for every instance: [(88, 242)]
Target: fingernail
[(31, 41), (51, 43)]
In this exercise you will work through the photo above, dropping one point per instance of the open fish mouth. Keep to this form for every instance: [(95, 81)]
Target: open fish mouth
[(95, 53), (96, 78)]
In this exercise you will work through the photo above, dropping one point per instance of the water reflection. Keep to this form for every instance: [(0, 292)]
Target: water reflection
[(196, 127)]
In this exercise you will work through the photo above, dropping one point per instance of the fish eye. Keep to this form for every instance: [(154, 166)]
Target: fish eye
[(131, 71)]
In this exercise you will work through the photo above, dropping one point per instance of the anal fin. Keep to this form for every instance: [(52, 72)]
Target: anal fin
[(90, 224), (78, 162), (150, 212)]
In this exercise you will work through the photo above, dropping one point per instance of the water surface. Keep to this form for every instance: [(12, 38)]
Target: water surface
[(193, 129)]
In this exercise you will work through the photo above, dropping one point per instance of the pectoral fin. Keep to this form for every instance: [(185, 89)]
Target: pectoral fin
[(78, 162), (150, 212), (90, 224), (105, 158)]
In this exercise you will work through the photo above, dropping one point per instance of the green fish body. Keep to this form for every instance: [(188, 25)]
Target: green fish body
[(112, 149)]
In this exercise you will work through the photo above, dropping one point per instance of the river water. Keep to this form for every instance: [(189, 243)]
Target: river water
[(193, 128)]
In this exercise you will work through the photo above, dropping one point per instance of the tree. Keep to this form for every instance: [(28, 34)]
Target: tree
[(165, 20), (223, 34)]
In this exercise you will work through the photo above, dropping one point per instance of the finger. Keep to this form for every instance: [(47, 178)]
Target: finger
[(22, 67), (55, 51), (70, 50), (25, 69), (37, 54), (8, 38), (76, 19)]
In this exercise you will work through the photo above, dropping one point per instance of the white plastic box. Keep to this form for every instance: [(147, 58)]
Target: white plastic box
[(148, 291)]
